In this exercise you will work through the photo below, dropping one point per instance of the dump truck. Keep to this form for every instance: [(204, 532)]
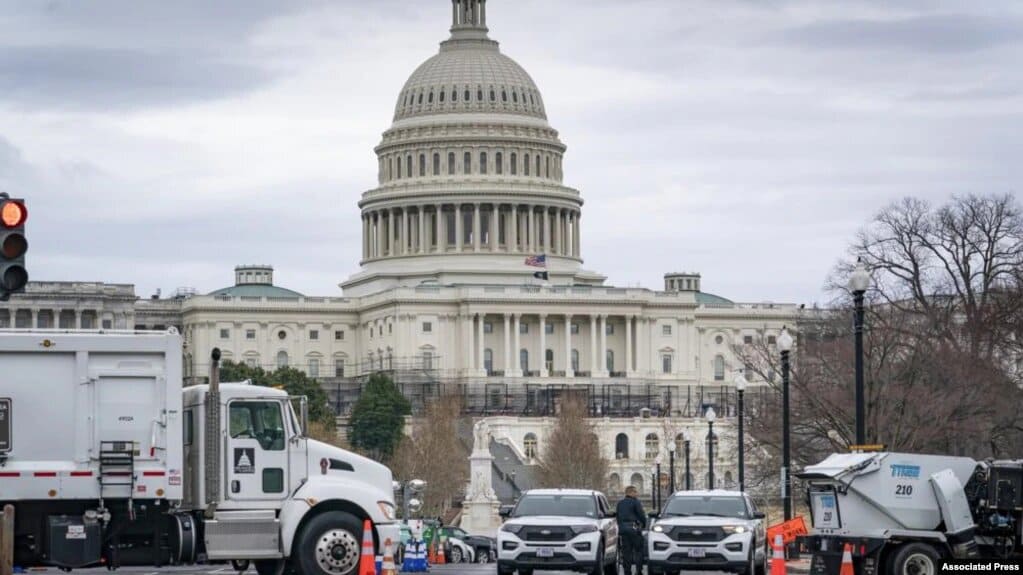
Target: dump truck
[(109, 461), (905, 513)]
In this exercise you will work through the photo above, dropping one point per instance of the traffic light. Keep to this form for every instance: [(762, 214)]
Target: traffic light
[(13, 245)]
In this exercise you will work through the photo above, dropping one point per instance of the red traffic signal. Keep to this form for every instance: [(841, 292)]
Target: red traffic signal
[(13, 245)]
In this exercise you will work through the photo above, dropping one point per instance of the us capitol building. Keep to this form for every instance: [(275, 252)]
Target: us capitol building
[(470, 184)]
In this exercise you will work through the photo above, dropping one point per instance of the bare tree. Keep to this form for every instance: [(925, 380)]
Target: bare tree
[(572, 456), (433, 452)]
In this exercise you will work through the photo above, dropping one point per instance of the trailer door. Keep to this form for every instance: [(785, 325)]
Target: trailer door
[(129, 411), (257, 452)]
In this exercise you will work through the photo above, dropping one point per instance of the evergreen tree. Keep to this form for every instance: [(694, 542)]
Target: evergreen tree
[(378, 417), (291, 380)]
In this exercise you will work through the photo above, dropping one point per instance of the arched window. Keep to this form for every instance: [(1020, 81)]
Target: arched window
[(719, 368), (390, 168), (488, 360), (537, 166), (479, 94), (525, 165), (467, 163), (451, 163), (524, 360), (282, 359), (529, 445), (429, 99), (575, 360), (680, 444), (314, 367), (621, 446), (493, 96), (441, 95), (549, 359), (498, 163), (637, 482), (399, 166), (483, 162), (408, 165), (653, 446), (420, 97), (436, 164), (615, 481), (514, 163), (515, 97), (547, 168), (610, 360), (467, 95), (729, 482), (454, 95), (504, 96), (339, 367), (427, 360), (422, 165)]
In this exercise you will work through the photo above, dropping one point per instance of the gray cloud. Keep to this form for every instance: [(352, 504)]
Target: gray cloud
[(933, 34)]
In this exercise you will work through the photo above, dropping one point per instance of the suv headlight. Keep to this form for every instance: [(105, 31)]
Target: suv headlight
[(580, 529), (387, 508), (511, 528), (730, 529), (657, 529)]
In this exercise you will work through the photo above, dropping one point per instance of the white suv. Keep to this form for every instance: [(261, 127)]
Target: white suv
[(558, 530), (709, 531)]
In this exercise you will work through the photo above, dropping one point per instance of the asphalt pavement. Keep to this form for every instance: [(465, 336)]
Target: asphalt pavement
[(461, 569)]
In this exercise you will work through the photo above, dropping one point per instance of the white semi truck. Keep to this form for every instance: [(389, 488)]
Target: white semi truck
[(107, 460), (903, 513)]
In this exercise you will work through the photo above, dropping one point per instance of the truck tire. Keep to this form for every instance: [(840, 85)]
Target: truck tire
[(269, 566), (330, 544), (916, 559)]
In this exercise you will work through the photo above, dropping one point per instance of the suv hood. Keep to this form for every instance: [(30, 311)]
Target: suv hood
[(552, 520), (702, 521)]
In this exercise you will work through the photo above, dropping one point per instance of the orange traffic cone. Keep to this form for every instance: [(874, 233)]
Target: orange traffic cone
[(387, 567), (778, 557), (847, 564), (367, 561), (441, 553)]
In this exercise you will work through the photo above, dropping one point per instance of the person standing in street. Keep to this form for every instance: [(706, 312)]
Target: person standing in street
[(631, 522)]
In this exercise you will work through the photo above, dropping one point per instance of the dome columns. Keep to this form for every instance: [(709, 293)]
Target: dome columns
[(478, 227)]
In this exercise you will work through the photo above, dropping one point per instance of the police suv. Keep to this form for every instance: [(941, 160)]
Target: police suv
[(712, 530), (557, 530)]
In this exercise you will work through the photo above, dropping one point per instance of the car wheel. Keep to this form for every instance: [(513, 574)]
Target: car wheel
[(916, 559), (456, 554), (751, 563), (598, 567), (482, 555), (330, 544)]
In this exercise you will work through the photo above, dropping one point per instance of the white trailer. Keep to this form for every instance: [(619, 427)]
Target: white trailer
[(109, 461), (903, 513)]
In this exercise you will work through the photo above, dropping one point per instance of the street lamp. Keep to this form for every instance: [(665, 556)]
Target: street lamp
[(409, 504), (671, 464), (785, 346), (859, 281), (711, 416), (689, 477), (657, 480), (740, 389)]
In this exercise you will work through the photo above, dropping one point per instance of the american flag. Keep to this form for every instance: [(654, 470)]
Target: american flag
[(539, 261)]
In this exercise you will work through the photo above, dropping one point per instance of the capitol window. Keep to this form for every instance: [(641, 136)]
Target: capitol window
[(514, 163), (548, 328), (653, 445), (479, 94), (466, 94), (250, 334), (575, 329), (747, 339), (339, 367), (524, 360), (666, 363), (282, 359), (282, 334), (504, 96), (493, 96), (538, 165), (483, 162), (547, 168), (314, 334), (429, 99), (515, 97), (454, 95), (427, 327), (408, 165), (719, 368), (529, 443), (575, 360), (420, 97), (436, 164), (719, 340), (339, 335), (225, 334), (467, 163), (498, 163), (748, 371), (525, 165), (441, 95), (609, 329), (314, 367), (451, 163), (422, 165), (666, 329), (771, 340), (523, 327)]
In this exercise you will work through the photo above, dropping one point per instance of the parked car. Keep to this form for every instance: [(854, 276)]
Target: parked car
[(484, 548)]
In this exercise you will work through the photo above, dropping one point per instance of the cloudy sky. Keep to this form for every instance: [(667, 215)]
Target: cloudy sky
[(161, 143)]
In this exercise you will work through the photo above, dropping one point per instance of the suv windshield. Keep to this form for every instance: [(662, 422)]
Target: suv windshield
[(561, 505), (707, 505)]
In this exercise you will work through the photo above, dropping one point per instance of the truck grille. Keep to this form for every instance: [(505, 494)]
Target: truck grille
[(686, 533), (537, 533)]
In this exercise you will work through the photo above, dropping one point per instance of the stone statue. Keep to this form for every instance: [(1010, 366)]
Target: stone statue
[(482, 432)]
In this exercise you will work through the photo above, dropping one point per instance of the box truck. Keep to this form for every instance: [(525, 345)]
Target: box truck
[(108, 460)]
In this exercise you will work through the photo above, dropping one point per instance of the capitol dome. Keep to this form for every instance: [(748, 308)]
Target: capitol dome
[(469, 181)]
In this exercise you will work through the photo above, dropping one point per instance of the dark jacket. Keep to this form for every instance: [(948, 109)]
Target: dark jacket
[(630, 512)]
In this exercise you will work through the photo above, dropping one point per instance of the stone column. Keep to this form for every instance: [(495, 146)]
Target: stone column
[(513, 237), (422, 230), (517, 368), (578, 235), (543, 345), (78, 319), (531, 232), (507, 345), (594, 366), (546, 229), (569, 372), (442, 229), (628, 345), (380, 234), (603, 345), (404, 231), (470, 350), (569, 233), (365, 237), (459, 234), (493, 236), (481, 345), (35, 318), (476, 232), (556, 235)]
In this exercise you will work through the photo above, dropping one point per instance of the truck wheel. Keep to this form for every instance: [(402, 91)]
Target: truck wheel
[(916, 559), (330, 544)]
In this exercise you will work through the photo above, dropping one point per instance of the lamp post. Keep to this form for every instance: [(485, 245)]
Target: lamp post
[(711, 416), (785, 346), (657, 480), (409, 504), (859, 281), (740, 389), (671, 465), (689, 476)]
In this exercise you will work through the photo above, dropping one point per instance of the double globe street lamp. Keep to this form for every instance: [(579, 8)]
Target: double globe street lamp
[(409, 503)]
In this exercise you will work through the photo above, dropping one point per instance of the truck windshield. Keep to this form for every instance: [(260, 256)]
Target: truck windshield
[(560, 505), (706, 505), (259, 420)]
